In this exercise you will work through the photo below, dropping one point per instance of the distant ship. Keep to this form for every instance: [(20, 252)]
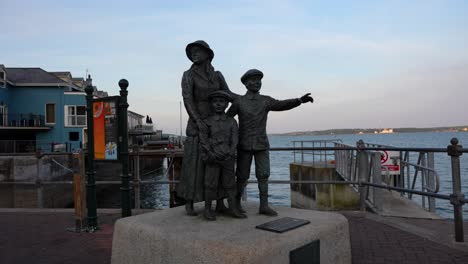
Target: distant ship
[(384, 131)]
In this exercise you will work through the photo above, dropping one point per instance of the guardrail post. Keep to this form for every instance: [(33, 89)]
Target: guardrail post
[(302, 152), (136, 179), (79, 190), (424, 176), (123, 138), (39, 186), (454, 151), (363, 170), (90, 181), (294, 151), (377, 179), (431, 181)]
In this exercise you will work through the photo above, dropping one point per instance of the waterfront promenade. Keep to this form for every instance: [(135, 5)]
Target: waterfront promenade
[(40, 236)]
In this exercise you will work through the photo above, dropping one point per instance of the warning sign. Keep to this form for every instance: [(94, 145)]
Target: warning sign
[(391, 161)]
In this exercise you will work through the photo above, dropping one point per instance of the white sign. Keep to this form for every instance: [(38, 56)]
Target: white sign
[(390, 160)]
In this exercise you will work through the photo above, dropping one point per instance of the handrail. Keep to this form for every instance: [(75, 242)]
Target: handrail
[(437, 178), (382, 186), (346, 160)]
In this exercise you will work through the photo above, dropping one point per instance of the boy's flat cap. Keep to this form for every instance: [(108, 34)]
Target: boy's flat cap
[(250, 73), (220, 93)]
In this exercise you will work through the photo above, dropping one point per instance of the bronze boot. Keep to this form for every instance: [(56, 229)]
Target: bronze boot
[(264, 207), (189, 208), (208, 214), (240, 190), (220, 207), (234, 210)]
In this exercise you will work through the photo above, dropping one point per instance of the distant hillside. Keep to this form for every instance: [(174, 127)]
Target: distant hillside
[(373, 130)]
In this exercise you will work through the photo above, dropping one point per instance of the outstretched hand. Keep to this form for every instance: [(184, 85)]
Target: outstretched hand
[(307, 98)]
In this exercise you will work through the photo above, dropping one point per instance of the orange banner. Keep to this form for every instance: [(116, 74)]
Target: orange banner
[(99, 131)]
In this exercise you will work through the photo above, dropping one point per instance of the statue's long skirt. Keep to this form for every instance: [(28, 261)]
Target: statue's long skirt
[(193, 172)]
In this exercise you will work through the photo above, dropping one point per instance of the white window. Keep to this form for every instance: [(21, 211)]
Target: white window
[(50, 114), (75, 115)]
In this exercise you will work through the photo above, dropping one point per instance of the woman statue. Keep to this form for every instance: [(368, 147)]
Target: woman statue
[(197, 83)]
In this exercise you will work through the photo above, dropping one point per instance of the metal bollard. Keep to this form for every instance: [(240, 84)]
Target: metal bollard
[(456, 198)]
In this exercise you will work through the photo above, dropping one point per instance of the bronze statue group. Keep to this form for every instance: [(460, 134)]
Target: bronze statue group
[(215, 144)]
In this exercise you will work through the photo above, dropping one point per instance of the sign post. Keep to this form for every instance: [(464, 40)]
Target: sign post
[(107, 140), (90, 181), (123, 139)]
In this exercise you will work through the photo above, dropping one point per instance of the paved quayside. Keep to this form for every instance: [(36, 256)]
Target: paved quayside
[(39, 236)]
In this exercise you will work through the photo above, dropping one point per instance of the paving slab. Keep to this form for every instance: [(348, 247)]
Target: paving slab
[(393, 204)]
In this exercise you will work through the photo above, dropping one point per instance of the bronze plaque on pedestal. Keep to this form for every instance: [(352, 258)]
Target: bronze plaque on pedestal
[(283, 224)]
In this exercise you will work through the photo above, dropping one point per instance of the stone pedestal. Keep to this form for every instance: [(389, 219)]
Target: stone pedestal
[(169, 236)]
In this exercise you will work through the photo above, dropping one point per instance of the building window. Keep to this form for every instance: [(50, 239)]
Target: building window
[(2, 79), (3, 115), (75, 115), (74, 136), (50, 114)]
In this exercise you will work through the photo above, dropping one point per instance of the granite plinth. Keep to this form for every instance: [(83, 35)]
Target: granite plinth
[(169, 236)]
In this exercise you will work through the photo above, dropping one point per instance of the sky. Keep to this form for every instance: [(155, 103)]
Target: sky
[(367, 64)]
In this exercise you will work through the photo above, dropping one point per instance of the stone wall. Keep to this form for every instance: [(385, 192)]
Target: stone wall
[(320, 196), (24, 170)]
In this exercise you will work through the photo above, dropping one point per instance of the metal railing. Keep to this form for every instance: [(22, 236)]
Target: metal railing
[(322, 155), (32, 146), (22, 120), (363, 170), (348, 164)]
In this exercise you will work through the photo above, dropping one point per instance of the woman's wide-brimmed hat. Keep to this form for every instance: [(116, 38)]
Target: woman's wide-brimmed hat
[(250, 73), (202, 44)]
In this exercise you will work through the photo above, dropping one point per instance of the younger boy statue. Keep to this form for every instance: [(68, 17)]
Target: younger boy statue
[(252, 109), (219, 152)]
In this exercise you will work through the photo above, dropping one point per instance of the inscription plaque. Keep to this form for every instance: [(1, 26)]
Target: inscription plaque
[(283, 224)]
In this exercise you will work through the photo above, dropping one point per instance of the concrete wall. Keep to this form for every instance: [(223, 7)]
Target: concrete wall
[(28, 169), (320, 196)]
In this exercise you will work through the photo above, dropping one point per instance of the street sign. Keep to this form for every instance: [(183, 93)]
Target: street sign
[(390, 160)]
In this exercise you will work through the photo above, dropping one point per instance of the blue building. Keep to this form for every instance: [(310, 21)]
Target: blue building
[(41, 110)]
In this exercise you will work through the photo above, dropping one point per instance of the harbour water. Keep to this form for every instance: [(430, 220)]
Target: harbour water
[(157, 195)]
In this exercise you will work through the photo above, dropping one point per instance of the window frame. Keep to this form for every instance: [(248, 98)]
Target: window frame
[(55, 114), (75, 115)]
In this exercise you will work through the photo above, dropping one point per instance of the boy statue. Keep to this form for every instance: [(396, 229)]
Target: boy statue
[(252, 109), (219, 152)]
